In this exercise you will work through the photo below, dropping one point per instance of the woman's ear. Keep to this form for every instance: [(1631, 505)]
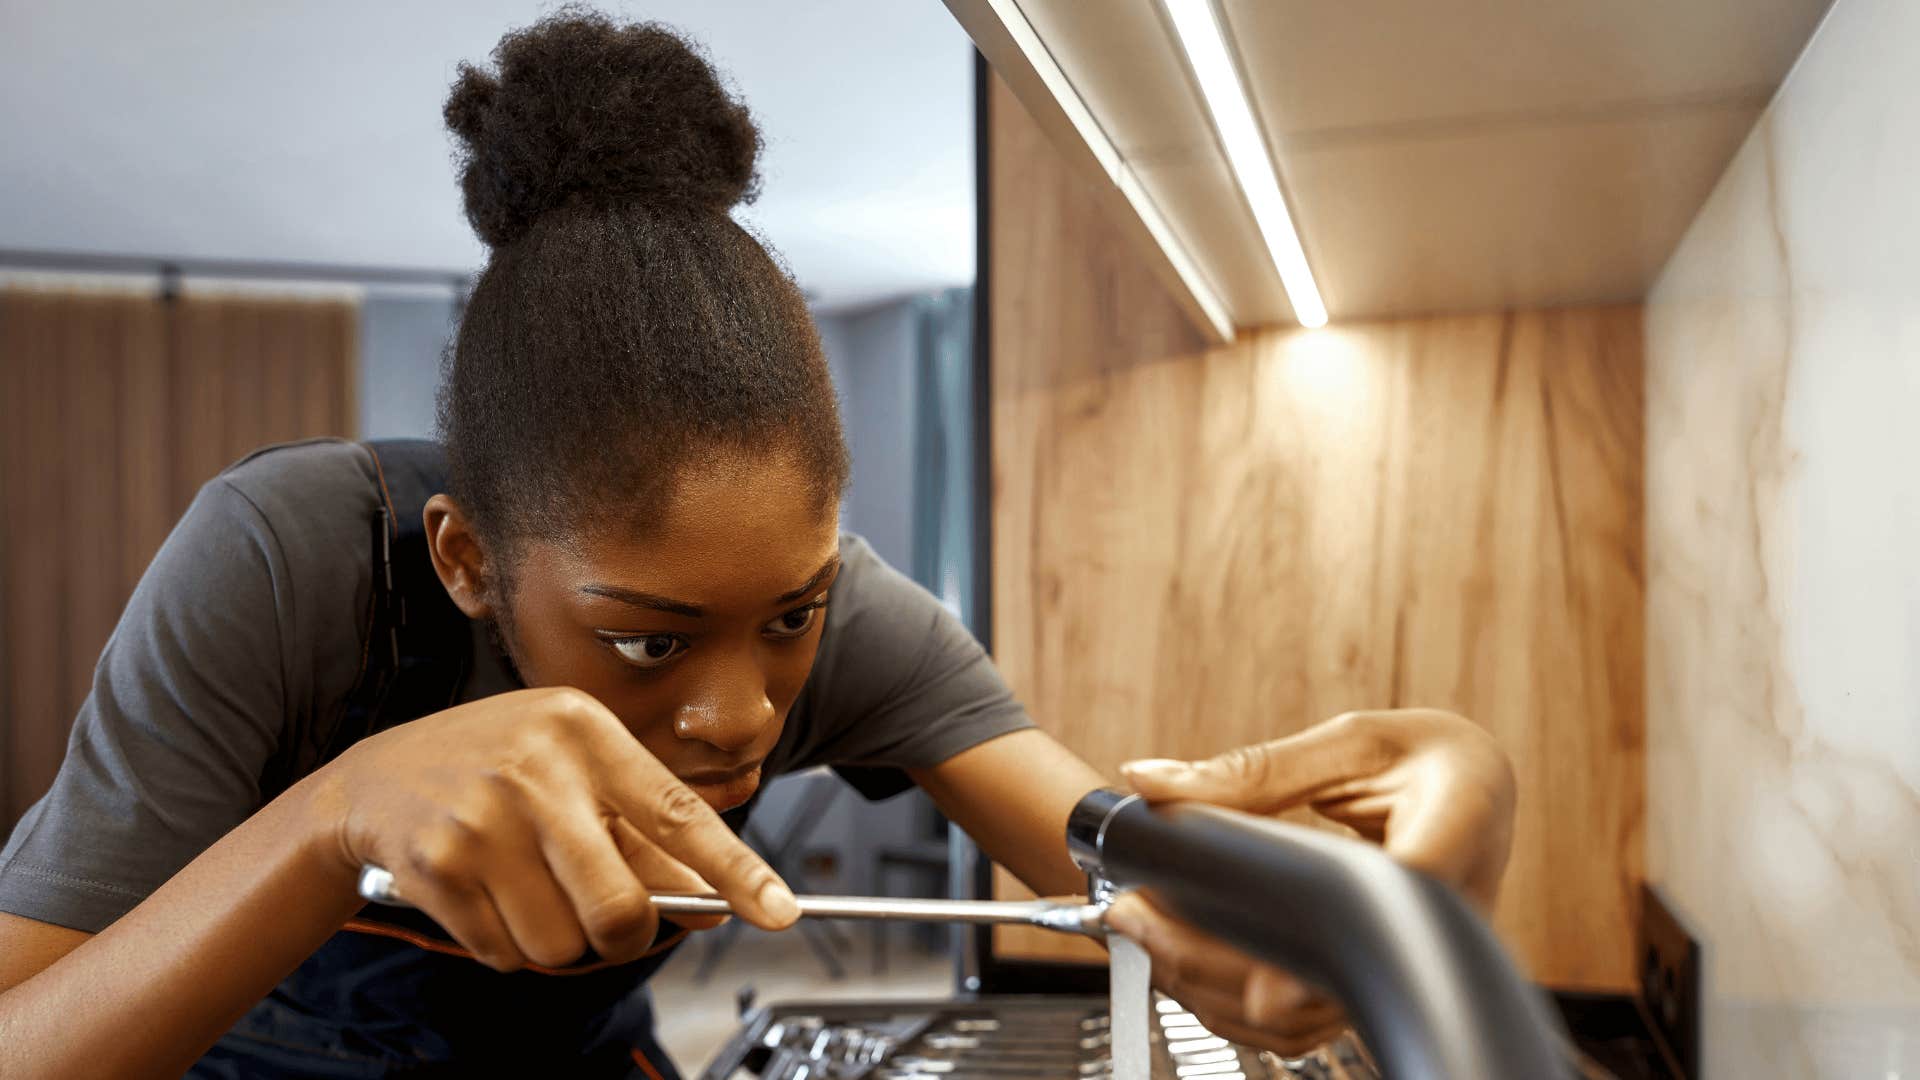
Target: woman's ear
[(459, 559)]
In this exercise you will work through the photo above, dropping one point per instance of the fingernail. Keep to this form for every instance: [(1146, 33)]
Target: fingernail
[(1270, 996), (1121, 919), (777, 901), (1156, 769)]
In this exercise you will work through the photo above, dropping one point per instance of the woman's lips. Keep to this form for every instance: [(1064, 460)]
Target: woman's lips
[(725, 791)]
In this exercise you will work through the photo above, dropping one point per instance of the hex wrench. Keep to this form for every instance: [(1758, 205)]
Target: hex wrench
[(376, 884)]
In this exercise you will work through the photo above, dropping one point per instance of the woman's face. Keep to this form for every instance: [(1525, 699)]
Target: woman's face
[(700, 633)]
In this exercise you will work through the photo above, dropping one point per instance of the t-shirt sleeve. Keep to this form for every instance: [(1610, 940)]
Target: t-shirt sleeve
[(187, 705), (900, 682)]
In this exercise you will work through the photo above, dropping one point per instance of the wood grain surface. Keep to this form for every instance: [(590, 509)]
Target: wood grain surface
[(1195, 549), (115, 408)]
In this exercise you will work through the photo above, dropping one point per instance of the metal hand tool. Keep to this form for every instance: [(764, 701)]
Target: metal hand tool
[(1129, 967), (376, 884), (1424, 979)]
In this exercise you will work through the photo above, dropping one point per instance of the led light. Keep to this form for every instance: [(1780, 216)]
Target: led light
[(1211, 1057), (1168, 1005), (1199, 33), (1122, 175), (1192, 1031), (1188, 1046)]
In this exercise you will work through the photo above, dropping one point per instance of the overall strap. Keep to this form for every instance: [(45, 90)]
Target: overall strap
[(419, 646)]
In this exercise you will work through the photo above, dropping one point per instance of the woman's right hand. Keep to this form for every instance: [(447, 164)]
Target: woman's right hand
[(529, 825)]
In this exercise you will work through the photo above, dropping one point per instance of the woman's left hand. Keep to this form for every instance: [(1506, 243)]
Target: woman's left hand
[(1429, 786)]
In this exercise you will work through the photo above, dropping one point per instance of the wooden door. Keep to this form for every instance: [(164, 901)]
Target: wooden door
[(114, 408)]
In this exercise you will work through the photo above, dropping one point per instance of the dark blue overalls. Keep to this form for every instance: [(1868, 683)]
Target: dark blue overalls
[(392, 995)]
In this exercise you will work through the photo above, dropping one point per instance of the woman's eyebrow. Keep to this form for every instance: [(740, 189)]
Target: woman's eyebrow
[(820, 575), (695, 611), (646, 600)]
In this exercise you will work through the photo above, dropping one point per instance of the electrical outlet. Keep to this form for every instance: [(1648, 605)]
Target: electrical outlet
[(1670, 982)]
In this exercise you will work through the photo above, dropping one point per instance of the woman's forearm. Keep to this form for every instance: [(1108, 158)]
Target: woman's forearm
[(1012, 795), (149, 994)]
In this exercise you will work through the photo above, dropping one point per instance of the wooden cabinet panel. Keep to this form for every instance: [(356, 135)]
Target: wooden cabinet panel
[(1195, 549)]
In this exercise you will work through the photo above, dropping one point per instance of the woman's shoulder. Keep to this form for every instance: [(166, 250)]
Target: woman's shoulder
[(876, 612), (306, 478), (314, 498), (867, 579), (309, 509)]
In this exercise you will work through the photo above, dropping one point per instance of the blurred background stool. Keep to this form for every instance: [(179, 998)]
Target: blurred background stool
[(922, 859)]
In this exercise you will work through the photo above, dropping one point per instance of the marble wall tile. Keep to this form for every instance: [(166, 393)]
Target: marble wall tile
[(1783, 596)]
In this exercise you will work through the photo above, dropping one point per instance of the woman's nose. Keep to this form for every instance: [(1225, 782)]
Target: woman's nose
[(729, 721)]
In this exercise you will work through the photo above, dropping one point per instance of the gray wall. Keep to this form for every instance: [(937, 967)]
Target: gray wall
[(872, 356), (871, 353), (401, 338)]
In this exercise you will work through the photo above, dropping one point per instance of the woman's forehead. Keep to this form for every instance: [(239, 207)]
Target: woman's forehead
[(725, 537)]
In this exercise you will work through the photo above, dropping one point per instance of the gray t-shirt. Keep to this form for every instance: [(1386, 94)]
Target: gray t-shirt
[(247, 632)]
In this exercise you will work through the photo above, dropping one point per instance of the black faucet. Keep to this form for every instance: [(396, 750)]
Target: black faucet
[(1425, 982)]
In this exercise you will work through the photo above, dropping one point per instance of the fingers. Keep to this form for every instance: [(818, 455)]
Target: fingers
[(489, 888), (528, 842), (1430, 786), (1180, 954), (1292, 1033), (1268, 777), (1450, 841), (540, 918), (1272, 994), (465, 911), (1288, 1042), (662, 873), (680, 823), (1232, 995), (604, 902)]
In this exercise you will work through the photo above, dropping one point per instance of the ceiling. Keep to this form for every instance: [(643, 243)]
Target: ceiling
[(1470, 155), (311, 132)]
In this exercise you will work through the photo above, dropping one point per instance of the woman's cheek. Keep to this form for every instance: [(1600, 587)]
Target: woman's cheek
[(788, 675)]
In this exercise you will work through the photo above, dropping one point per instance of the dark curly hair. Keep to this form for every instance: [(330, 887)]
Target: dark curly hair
[(625, 327)]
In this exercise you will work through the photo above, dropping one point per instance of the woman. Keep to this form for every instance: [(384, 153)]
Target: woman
[(540, 671)]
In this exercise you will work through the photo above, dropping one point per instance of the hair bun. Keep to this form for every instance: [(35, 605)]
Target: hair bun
[(583, 111)]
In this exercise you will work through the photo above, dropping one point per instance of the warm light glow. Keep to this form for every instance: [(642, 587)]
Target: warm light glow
[(1326, 367), (1226, 98)]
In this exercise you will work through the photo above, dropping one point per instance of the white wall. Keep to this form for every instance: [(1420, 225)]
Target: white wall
[(1783, 598), (312, 132)]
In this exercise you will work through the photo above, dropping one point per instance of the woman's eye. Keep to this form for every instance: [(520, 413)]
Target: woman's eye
[(794, 623), (650, 650)]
